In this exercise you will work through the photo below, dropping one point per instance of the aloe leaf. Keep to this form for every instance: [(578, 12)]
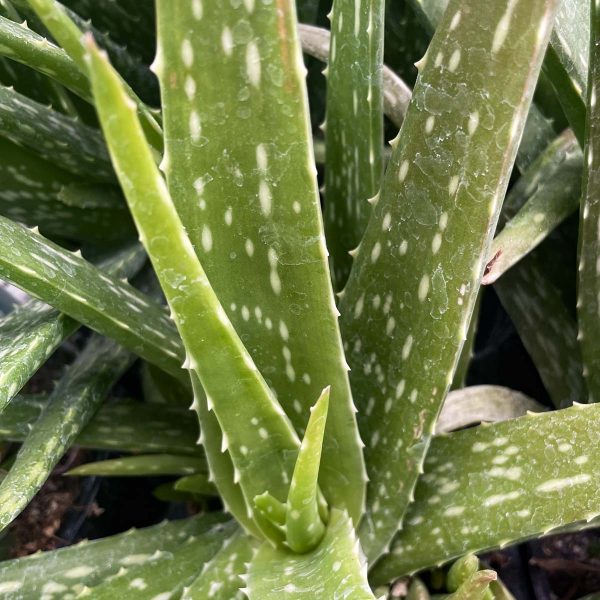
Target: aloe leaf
[(69, 36), (417, 590), (250, 205), (21, 44), (588, 301), (487, 487), (354, 162), (30, 334), (57, 138), (198, 484), (67, 570), (566, 63), (262, 453), (419, 265), (461, 571), (29, 192), (164, 574), (538, 134), (153, 464), (221, 577), (303, 527), (481, 404), (124, 426), (72, 404), (529, 297), (475, 587), (396, 94), (130, 22), (466, 354), (80, 290), (551, 188), (332, 570)]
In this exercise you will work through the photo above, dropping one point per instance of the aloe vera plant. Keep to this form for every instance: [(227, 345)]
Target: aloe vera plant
[(323, 444)]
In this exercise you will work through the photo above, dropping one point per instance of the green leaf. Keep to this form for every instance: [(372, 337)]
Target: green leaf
[(221, 577), (483, 404), (411, 292), (547, 193), (487, 487), (588, 302), (29, 194), (354, 164), (165, 574), (396, 94), (475, 587), (461, 571), (332, 570), (124, 426), (566, 63), (262, 453), (198, 484), (466, 354), (19, 43), (82, 291), (69, 36), (55, 137), (303, 527), (250, 205), (89, 563), (545, 325), (145, 465), (31, 333), (72, 404)]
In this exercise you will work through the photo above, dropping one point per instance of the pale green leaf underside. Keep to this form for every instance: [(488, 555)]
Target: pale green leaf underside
[(332, 570), (494, 485), (250, 205), (483, 404), (146, 465), (419, 265), (67, 570)]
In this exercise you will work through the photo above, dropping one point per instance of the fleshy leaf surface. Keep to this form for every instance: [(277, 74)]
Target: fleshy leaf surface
[(144, 465), (487, 487), (411, 292), (354, 162), (332, 570), (71, 405), (250, 205)]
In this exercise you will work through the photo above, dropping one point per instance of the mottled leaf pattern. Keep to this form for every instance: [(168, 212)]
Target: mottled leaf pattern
[(354, 162), (547, 193), (588, 302), (221, 577), (490, 486), (123, 426), (263, 453), (30, 334), (82, 291), (332, 570), (419, 265), (250, 205), (68, 570), (72, 404)]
